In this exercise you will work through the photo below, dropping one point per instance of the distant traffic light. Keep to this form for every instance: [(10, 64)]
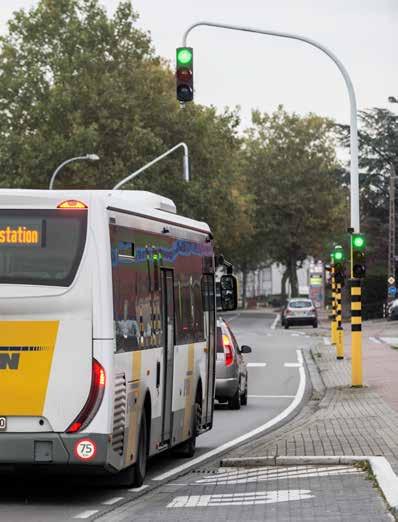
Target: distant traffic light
[(339, 265), (358, 244), (184, 74)]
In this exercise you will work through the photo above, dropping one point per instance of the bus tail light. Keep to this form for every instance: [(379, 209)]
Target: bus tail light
[(94, 399), (228, 350)]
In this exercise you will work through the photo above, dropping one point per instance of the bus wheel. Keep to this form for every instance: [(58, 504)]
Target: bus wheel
[(134, 476), (187, 449)]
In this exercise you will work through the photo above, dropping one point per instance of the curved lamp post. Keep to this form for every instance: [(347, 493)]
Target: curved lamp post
[(185, 165), (89, 157)]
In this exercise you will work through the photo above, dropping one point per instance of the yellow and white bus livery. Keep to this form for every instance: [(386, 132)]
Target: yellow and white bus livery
[(107, 330)]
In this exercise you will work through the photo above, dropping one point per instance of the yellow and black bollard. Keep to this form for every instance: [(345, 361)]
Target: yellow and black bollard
[(333, 325), (339, 327), (356, 332)]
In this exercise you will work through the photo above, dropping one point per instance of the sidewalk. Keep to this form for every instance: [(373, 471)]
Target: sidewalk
[(345, 421)]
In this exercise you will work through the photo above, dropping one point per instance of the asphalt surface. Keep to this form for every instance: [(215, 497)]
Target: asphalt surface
[(271, 389)]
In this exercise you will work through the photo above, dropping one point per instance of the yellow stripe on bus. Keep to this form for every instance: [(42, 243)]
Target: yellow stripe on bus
[(134, 408), (26, 352)]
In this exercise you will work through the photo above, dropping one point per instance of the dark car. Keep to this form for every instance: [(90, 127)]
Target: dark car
[(231, 370), (299, 311)]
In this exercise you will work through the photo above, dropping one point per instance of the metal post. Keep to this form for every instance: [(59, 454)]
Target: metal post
[(354, 177), (391, 231), (356, 332), (339, 329), (185, 165), (333, 323), (90, 157)]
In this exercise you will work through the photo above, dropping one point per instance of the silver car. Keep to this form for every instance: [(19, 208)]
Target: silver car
[(299, 311), (231, 369)]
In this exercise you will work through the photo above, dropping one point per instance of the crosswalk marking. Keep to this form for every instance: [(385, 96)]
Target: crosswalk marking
[(240, 499)]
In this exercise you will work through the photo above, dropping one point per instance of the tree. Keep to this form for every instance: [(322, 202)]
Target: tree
[(74, 80), (296, 181), (378, 156)]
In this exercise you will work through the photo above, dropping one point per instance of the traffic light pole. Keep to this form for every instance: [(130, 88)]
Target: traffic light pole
[(339, 329), (356, 332), (333, 324), (354, 178)]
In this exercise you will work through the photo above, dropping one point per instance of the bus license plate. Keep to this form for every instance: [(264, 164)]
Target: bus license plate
[(3, 423)]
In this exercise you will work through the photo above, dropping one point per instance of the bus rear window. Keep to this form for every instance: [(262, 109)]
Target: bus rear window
[(41, 247)]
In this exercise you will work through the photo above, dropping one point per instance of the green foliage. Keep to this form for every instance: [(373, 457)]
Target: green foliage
[(300, 204), (378, 156), (74, 81)]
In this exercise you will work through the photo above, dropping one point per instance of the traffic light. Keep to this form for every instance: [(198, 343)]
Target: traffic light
[(184, 74), (339, 265), (358, 244)]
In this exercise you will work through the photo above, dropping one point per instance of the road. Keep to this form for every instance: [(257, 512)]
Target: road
[(274, 382)]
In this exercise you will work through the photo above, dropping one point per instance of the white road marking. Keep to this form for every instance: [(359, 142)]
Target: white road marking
[(137, 490), (389, 340), (87, 514), (242, 438), (256, 365), (374, 340), (273, 325), (112, 501), (240, 499), (270, 396), (266, 474), (326, 341), (292, 365), (295, 335)]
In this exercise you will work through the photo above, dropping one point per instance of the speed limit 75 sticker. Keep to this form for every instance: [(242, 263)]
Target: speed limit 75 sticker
[(85, 449)]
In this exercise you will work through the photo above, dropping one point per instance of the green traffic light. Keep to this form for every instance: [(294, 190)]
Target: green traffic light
[(358, 241), (184, 56), (338, 256)]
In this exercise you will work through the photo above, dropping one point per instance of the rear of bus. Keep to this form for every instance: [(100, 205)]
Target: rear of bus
[(53, 366)]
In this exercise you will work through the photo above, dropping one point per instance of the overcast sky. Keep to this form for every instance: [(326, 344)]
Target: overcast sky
[(255, 71)]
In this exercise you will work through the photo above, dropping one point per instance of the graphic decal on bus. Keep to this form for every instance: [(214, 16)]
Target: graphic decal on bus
[(26, 352)]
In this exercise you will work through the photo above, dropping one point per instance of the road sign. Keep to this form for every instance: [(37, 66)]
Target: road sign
[(391, 280), (392, 290)]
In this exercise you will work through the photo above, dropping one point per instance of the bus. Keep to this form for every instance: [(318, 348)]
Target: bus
[(107, 330)]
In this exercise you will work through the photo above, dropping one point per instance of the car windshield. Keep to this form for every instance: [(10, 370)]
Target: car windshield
[(305, 303)]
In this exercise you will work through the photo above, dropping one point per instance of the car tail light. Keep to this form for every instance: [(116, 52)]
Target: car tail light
[(228, 350), (94, 399)]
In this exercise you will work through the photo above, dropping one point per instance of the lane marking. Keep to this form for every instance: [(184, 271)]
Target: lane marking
[(390, 340), (242, 438), (326, 341), (273, 325), (271, 396), (87, 514), (256, 365), (292, 365), (137, 490), (112, 501), (241, 499), (374, 340)]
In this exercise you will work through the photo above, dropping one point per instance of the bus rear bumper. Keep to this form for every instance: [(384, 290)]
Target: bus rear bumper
[(53, 449)]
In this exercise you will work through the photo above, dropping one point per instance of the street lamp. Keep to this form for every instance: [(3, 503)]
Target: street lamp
[(185, 165), (89, 157)]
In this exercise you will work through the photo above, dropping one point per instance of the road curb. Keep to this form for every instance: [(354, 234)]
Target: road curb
[(386, 479)]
